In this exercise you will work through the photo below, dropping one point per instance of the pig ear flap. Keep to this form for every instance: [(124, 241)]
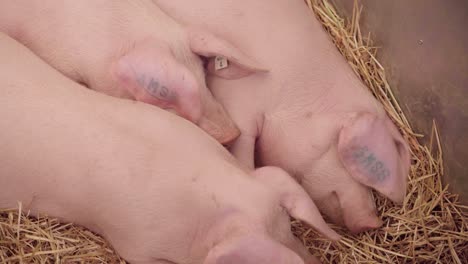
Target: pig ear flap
[(375, 154), (223, 59), (251, 249), (295, 200), (152, 75)]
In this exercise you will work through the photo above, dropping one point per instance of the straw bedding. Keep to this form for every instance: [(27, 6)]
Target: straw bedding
[(431, 226)]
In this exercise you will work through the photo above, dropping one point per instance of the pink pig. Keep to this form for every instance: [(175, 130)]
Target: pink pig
[(128, 49), (129, 175), (309, 114)]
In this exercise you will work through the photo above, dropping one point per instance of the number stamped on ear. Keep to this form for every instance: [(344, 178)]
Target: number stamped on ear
[(221, 63), (370, 163), (154, 88)]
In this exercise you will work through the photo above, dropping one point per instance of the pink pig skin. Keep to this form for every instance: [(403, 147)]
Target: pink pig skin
[(309, 114), (157, 187), (127, 49)]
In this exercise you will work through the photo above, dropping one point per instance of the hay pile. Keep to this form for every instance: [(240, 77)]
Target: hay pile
[(431, 227)]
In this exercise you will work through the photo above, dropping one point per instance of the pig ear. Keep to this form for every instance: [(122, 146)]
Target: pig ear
[(251, 250), (224, 60), (295, 200), (152, 75), (375, 154)]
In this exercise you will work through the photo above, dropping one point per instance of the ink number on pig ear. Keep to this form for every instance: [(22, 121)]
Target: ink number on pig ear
[(377, 167), (154, 87), (369, 160), (359, 153), (221, 63), (370, 163)]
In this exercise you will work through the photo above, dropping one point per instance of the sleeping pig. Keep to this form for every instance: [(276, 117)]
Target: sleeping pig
[(129, 175), (308, 113), (128, 49)]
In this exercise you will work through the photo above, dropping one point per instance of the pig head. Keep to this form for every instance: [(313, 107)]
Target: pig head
[(309, 113), (131, 50)]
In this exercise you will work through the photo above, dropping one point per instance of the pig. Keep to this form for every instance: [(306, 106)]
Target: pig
[(308, 113), (128, 49), (129, 176)]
